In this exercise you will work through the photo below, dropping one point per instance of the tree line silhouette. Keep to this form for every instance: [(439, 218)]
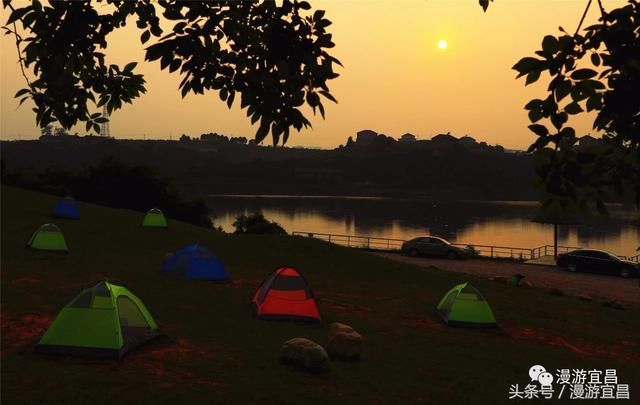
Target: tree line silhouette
[(436, 169)]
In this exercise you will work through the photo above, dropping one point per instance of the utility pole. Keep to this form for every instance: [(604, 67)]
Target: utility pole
[(104, 127)]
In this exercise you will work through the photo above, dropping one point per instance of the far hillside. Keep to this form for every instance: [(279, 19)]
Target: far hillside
[(445, 167)]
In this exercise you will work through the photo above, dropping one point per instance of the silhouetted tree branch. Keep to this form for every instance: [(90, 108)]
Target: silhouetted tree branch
[(571, 176), (273, 56)]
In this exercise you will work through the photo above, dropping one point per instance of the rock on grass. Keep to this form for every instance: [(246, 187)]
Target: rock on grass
[(304, 353), (344, 342)]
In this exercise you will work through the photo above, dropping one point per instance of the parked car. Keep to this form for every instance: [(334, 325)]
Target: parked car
[(433, 246), (597, 261)]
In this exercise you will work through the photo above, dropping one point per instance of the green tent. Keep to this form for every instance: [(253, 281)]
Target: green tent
[(154, 219), (106, 320), (48, 237), (463, 305)]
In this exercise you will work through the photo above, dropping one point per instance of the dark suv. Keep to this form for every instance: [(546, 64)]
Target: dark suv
[(597, 261)]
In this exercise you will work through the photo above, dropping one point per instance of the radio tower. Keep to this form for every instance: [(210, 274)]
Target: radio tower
[(104, 127)]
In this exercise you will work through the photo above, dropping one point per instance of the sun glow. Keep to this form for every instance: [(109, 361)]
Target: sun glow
[(442, 44)]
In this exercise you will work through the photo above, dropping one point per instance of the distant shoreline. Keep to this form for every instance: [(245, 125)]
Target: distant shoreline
[(445, 169), (292, 196), (379, 198), (372, 198)]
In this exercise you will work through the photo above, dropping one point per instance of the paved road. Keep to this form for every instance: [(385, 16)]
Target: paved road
[(597, 286)]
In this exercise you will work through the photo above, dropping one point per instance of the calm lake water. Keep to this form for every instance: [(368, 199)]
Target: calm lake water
[(480, 223)]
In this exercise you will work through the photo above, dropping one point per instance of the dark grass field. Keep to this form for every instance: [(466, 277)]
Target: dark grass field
[(216, 352)]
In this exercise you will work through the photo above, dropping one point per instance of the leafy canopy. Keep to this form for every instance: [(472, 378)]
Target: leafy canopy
[(272, 57), (596, 69)]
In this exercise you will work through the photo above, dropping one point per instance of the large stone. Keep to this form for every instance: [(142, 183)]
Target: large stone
[(344, 342), (338, 327), (305, 353)]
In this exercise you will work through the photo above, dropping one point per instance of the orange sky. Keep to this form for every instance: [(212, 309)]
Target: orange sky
[(395, 78)]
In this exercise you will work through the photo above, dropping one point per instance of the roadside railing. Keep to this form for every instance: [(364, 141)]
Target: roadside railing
[(361, 242), (488, 251), (502, 252), (548, 250), (379, 243)]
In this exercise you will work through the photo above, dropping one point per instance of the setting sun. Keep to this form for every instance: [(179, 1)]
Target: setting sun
[(442, 44)]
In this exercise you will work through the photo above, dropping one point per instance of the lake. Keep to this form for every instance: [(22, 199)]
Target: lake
[(500, 223)]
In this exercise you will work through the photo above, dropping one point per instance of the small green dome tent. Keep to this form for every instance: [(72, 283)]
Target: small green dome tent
[(48, 237), (105, 320), (154, 219), (463, 305)]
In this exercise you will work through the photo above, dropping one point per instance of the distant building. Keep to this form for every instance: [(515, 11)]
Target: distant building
[(444, 139), (513, 151), (366, 136), (305, 147), (468, 141), (407, 138)]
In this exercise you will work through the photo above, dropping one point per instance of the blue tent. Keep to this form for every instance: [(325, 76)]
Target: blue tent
[(195, 262), (66, 208)]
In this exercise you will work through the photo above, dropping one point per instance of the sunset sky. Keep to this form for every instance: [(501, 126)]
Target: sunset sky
[(396, 78)]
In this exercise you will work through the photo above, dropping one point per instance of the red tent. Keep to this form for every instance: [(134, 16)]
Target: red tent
[(285, 295)]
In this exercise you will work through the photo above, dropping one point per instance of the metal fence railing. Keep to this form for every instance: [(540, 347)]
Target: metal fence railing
[(548, 250), (362, 242), (490, 251), (502, 252)]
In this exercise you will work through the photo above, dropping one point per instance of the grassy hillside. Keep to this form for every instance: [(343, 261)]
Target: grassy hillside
[(217, 352)]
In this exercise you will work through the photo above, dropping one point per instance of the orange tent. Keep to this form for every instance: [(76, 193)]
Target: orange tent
[(285, 295)]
